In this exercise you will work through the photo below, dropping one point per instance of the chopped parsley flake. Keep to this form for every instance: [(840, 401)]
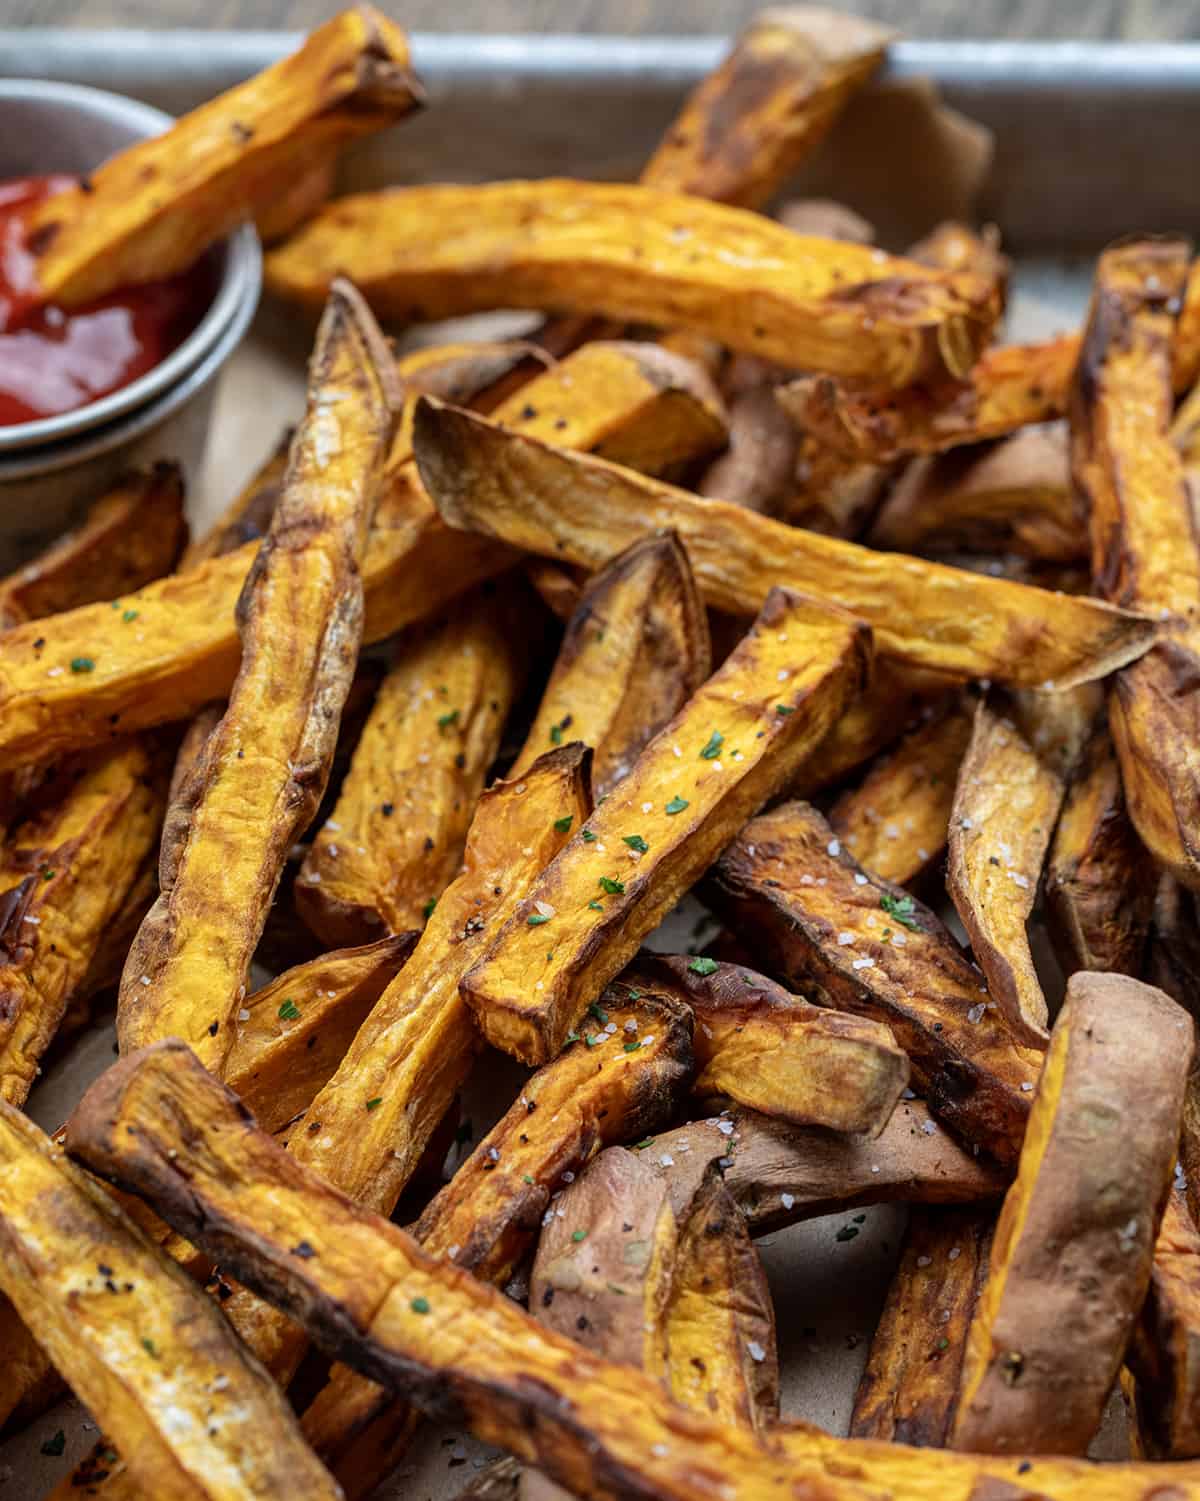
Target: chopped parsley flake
[(129, 615), (375, 1103), (82, 664), (588, 836), (289, 1011), (561, 825), (614, 888), (578, 1235), (703, 966), (150, 1348), (713, 749), (420, 1305), (48, 874), (598, 1012), (847, 1232), (676, 805), (595, 905), (536, 919), (53, 1447), (632, 1047), (446, 720), (527, 1178), (785, 709), (635, 842), (427, 909), (901, 908)]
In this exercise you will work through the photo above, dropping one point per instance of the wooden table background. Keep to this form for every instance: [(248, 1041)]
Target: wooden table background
[(1118, 19)]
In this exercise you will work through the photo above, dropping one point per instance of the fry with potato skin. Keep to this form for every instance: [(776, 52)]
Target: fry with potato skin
[(908, 1391), (840, 937), (579, 509), (395, 838), (139, 1342), (638, 254), (634, 651), (152, 209), (1071, 1258), (1163, 1354), (771, 1051), (734, 743)]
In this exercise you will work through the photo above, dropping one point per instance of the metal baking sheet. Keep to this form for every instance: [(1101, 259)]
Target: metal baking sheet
[(1090, 141)]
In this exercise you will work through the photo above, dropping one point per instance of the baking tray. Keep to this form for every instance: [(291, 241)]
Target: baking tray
[(1089, 141)]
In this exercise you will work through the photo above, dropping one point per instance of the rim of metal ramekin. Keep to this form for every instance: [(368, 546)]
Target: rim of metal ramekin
[(240, 283)]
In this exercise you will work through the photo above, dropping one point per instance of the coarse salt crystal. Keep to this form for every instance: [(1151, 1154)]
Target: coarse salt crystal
[(756, 1351), (667, 1160), (787, 1200), (924, 1260), (834, 847), (546, 909), (859, 879), (863, 963), (845, 938), (647, 807), (725, 1128)]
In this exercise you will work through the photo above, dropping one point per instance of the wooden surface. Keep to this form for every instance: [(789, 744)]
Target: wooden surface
[(1128, 19)]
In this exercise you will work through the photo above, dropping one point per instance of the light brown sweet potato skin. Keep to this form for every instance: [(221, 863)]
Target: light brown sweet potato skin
[(965, 1059), (895, 821), (909, 1388), (150, 210), (579, 509), (1164, 1354), (1071, 1257), (634, 651), (771, 1051), (395, 838), (132, 535), (550, 961), (139, 1342)]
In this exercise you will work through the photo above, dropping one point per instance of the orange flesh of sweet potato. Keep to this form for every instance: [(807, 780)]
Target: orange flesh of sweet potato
[(1071, 1258), (262, 772), (643, 255), (152, 209), (1164, 1355), (865, 946), (577, 508), (732, 745)]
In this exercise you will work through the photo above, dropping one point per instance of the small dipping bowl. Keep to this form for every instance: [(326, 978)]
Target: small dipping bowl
[(53, 468)]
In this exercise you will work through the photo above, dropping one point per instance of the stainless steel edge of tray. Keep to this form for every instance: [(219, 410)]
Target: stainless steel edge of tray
[(1092, 139)]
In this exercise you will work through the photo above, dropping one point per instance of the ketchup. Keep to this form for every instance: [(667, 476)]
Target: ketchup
[(54, 361)]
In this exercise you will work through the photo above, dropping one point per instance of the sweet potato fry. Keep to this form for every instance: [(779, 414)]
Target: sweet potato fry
[(873, 950), (1144, 549), (639, 254), (773, 1052), (1100, 879), (954, 246), (65, 873), (1006, 804), (139, 1342), (909, 1388), (896, 820), (635, 407), (395, 839), (262, 772), (152, 209), (1071, 1258), (1164, 1354), (748, 126), (733, 744), (576, 508), (132, 535), (635, 650)]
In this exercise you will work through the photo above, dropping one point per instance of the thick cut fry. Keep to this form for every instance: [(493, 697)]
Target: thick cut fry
[(132, 535), (1165, 1352), (635, 650), (262, 772), (139, 1342), (836, 932), (1071, 1257), (1014, 496), (748, 126), (1144, 549), (149, 211), (773, 1052), (909, 1388), (1100, 879), (395, 838), (758, 470), (65, 873), (733, 745), (1006, 804), (581, 510), (896, 820), (634, 406), (642, 255)]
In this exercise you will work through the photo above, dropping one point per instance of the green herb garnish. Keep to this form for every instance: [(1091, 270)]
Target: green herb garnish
[(713, 749), (676, 805), (289, 1011), (614, 888), (703, 966), (561, 825), (635, 842), (901, 908)]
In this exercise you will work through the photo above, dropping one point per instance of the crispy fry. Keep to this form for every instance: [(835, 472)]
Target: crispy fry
[(132, 535), (953, 246), (643, 255), (909, 1388), (262, 772), (759, 468), (395, 838), (577, 508), (734, 743), (1144, 549), (1100, 879), (152, 209), (773, 1052), (1013, 496), (1164, 1354), (141, 1345), (635, 650), (65, 873), (895, 821), (842, 937), (1006, 804), (1071, 1258), (748, 126), (186, 654)]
